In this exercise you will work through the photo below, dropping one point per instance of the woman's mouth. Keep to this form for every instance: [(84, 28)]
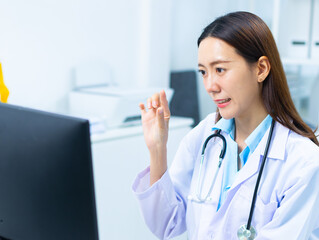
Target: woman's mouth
[(222, 102)]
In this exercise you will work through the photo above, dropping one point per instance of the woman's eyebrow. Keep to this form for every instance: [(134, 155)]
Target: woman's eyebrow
[(215, 62)]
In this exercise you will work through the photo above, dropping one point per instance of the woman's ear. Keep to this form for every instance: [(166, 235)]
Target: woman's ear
[(263, 67)]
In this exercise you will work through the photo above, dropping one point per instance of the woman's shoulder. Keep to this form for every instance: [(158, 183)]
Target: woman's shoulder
[(302, 148), (298, 142), (300, 158)]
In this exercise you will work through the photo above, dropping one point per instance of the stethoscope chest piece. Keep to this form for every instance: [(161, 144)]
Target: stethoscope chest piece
[(246, 234)]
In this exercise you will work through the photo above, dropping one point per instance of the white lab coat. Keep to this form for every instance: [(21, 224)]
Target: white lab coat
[(287, 205)]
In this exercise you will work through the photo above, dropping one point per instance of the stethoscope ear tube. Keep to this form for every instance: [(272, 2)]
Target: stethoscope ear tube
[(223, 151), (200, 182), (259, 175)]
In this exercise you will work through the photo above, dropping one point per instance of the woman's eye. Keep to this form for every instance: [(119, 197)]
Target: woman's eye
[(202, 72), (220, 70)]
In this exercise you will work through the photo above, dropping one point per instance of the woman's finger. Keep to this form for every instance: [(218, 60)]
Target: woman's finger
[(155, 100), (149, 103), (164, 104), (142, 107)]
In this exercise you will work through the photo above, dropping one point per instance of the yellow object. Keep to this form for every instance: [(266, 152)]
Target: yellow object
[(4, 92)]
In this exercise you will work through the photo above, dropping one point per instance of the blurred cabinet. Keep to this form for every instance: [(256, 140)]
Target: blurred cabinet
[(118, 156), (296, 29), (294, 24), (315, 32)]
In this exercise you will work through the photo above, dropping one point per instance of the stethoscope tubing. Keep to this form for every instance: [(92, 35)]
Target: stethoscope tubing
[(223, 151), (246, 228), (200, 185), (221, 157), (253, 203)]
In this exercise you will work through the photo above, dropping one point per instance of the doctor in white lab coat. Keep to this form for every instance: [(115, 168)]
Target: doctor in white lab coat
[(243, 74)]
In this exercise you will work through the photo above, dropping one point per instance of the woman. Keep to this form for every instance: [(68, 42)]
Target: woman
[(242, 72)]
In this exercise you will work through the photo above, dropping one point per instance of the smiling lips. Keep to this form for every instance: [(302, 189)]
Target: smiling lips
[(222, 102)]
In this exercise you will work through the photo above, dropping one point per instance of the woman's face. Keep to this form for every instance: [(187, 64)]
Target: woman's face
[(229, 79)]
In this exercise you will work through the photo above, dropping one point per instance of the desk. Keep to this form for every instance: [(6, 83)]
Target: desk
[(118, 156)]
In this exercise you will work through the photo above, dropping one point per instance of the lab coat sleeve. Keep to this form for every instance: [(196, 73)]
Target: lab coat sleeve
[(162, 209), (163, 204), (298, 214)]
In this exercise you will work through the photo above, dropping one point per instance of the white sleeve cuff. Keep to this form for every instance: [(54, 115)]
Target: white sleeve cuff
[(141, 186)]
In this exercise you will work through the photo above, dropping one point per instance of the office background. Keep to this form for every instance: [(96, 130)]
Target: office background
[(44, 44), (140, 42)]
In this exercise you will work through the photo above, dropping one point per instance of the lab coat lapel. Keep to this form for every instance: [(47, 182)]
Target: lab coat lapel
[(276, 151), (253, 162), (250, 168)]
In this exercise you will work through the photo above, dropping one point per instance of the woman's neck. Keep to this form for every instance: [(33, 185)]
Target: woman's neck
[(245, 126)]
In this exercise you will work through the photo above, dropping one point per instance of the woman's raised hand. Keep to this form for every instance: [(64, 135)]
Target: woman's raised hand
[(155, 121), (155, 127)]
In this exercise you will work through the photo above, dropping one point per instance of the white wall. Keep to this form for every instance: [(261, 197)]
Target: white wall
[(154, 43), (141, 41), (189, 18), (41, 41)]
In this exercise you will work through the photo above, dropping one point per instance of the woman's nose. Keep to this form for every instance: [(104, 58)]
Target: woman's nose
[(211, 84)]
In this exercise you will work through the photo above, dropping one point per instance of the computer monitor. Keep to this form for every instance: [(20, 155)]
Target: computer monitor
[(46, 176)]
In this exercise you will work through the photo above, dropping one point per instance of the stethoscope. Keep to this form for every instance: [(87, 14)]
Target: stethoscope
[(246, 231)]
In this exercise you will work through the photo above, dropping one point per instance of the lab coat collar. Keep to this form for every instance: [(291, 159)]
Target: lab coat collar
[(276, 152), (277, 146), (278, 142)]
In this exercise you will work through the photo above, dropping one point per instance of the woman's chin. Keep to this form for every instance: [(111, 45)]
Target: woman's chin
[(226, 114)]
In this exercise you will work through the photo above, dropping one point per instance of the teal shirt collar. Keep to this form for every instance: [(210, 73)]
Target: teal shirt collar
[(228, 126), (255, 137)]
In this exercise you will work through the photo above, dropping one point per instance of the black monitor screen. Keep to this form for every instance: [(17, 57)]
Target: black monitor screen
[(46, 176)]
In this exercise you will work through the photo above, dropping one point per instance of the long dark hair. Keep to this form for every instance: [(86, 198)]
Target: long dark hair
[(251, 38)]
